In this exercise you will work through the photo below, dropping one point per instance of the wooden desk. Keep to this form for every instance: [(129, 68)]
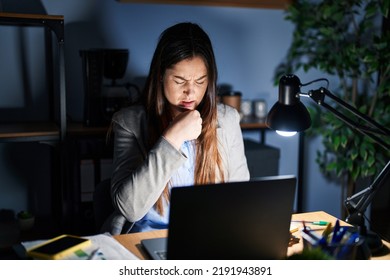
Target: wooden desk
[(132, 241)]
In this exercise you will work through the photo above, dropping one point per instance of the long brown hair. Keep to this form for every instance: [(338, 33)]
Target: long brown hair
[(178, 42)]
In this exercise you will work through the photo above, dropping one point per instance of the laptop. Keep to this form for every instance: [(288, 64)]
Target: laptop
[(235, 220)]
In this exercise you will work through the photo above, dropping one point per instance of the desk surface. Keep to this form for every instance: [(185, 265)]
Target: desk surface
[(132, 241)]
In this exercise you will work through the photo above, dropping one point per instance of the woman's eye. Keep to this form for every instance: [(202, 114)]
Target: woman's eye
[(201, 81), (179, 82)]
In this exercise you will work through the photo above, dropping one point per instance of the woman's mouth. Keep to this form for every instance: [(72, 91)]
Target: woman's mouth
[(187, 104)]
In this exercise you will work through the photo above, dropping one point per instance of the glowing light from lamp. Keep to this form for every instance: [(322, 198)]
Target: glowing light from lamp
[(286, 133)]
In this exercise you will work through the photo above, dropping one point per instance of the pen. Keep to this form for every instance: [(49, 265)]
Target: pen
[(293, 229), (318, 223), (346, 248), (327, 230), (93, 254), (338, 233), (305, 229), (325, 234)]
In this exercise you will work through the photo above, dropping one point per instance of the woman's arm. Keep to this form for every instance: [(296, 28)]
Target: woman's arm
[(139, 177)]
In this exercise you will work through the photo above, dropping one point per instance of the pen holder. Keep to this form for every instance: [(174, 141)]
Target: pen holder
[(352, 247)]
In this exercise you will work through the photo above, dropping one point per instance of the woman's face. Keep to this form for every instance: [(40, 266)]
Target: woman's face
[(185, 84)]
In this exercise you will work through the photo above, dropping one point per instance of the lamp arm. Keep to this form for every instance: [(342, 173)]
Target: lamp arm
[(353, 110), (319, 97), (368, 192), (357, 204), (365, 196), (356, 126)]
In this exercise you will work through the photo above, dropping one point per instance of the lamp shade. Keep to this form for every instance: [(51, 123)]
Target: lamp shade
[(288, 113)]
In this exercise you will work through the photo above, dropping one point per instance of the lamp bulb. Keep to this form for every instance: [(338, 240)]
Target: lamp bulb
[(286, 133)]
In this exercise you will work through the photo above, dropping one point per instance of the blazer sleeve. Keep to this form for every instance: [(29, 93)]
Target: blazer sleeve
[(232, 144), (139, 177)]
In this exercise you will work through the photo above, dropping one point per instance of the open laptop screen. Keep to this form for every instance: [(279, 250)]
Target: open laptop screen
[(237, 220)]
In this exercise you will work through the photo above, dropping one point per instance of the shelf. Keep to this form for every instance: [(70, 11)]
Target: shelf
[(53, 130), (40, 132), (79, 129), (27, 17), (54, 22), (29, 132), (253, 123), (269, 4)]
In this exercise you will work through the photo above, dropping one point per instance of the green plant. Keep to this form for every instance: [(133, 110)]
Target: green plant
[(347, 41), (311, 254), (25, 214)]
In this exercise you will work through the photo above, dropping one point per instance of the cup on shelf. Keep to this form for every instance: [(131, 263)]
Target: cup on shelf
[(246, 108), (232, 98), (260, 108)]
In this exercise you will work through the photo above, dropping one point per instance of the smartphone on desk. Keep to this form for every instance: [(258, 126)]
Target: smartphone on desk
[(58, 247)]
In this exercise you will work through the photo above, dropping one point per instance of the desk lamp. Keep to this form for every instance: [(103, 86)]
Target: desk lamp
[(289, 116)]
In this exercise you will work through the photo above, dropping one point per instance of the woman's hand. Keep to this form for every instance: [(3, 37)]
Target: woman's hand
[(186, 126)]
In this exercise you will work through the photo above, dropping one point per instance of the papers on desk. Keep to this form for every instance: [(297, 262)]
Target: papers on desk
[(104, 247)]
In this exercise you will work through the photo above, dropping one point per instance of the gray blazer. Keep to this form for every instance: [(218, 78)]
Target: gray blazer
[(139, 176)]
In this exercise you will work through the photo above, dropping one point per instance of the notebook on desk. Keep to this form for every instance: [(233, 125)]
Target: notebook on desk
[(236, 220)]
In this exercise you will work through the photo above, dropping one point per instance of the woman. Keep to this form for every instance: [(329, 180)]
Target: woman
[(177, 136)]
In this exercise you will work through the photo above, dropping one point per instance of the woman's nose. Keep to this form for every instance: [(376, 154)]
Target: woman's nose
[(189, 89)]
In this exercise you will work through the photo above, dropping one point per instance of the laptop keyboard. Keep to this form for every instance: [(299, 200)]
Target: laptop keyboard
[(162, 254)]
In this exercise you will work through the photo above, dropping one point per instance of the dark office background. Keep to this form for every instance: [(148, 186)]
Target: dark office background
[(249, 43)]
